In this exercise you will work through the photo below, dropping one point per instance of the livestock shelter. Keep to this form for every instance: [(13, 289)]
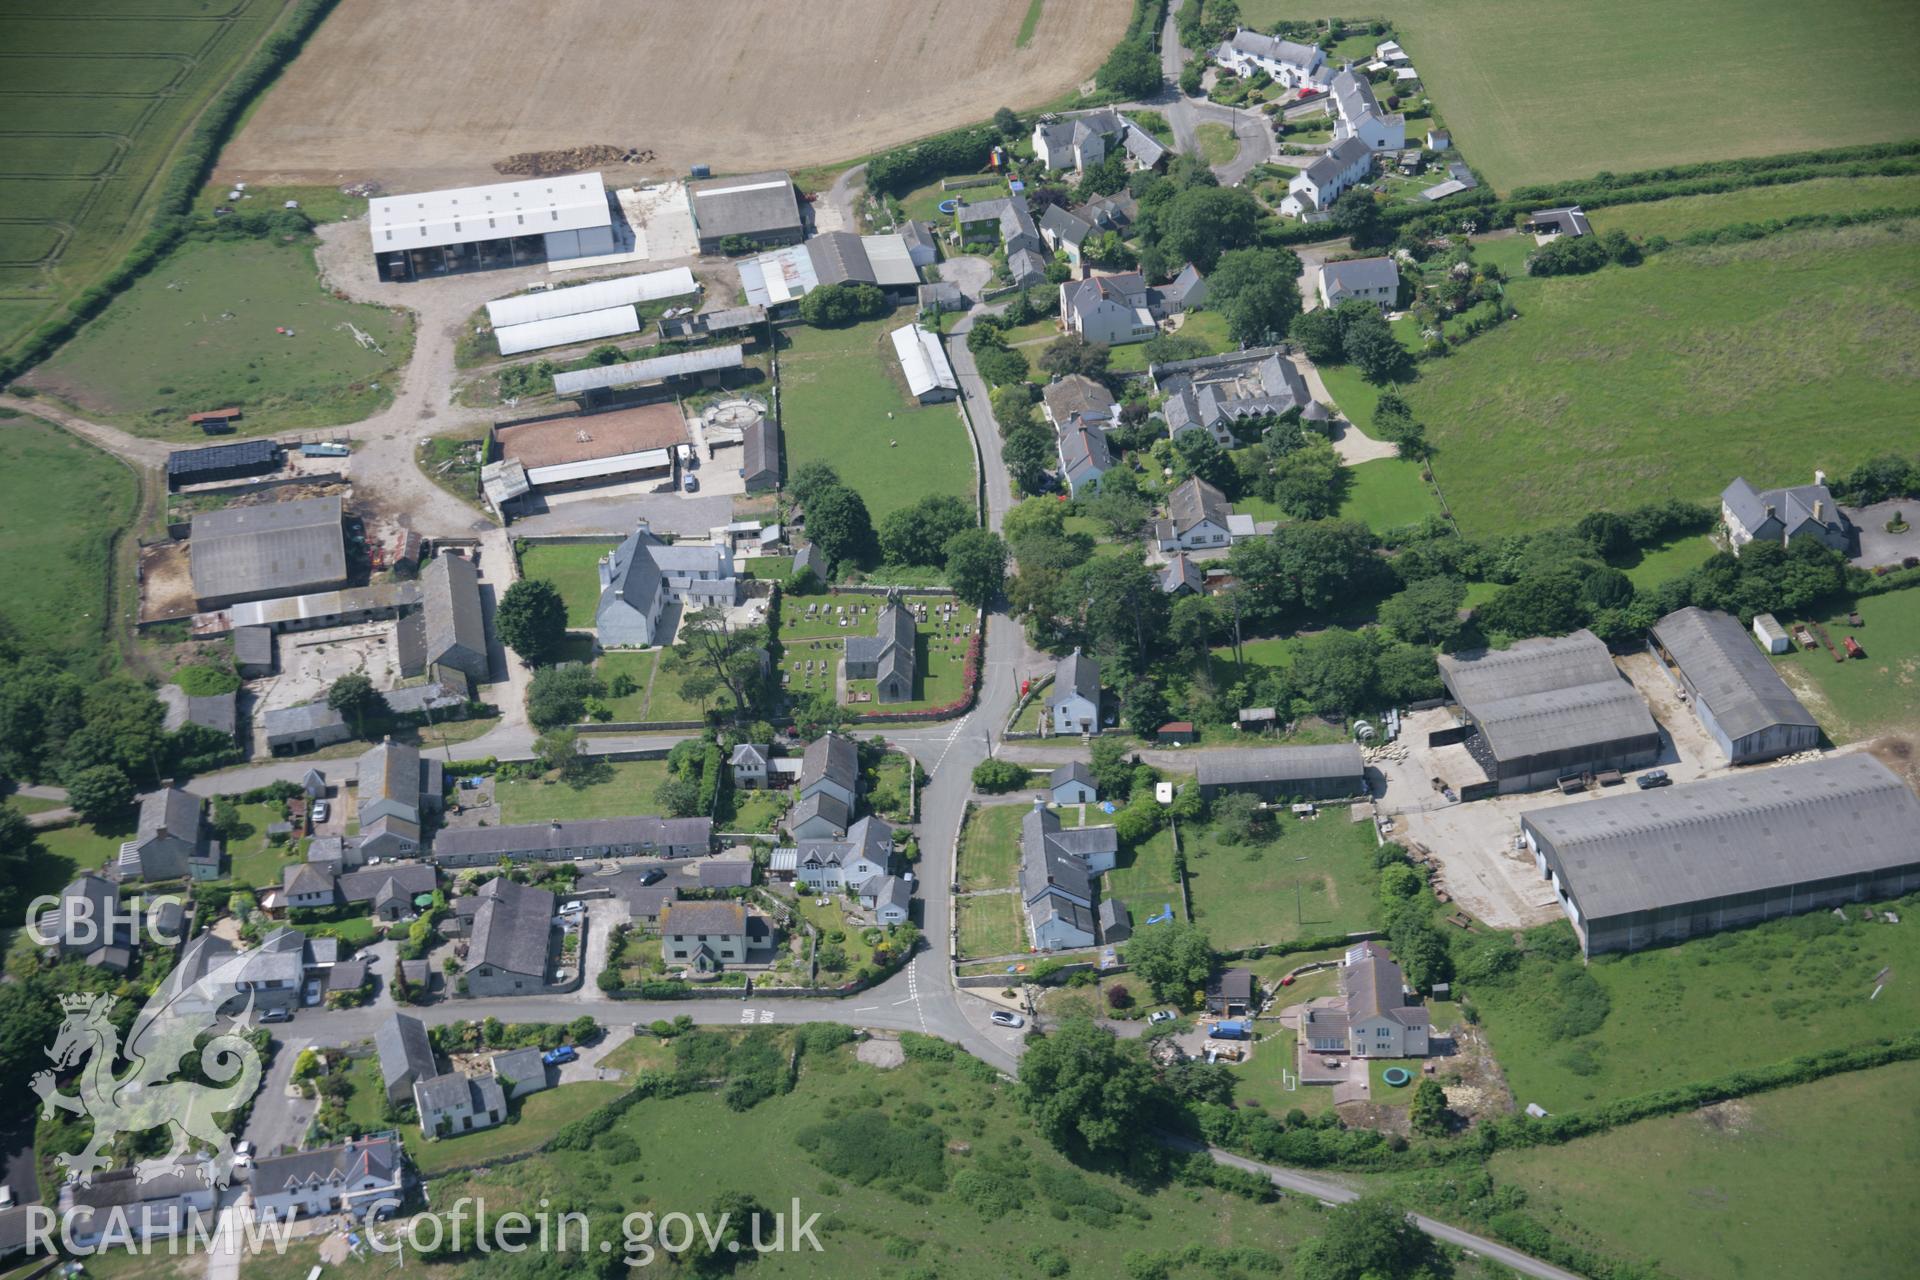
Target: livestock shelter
[(266, 550), (924, 362), (581, 313), (217, 462), (578, 450), (504, 224), (1640, 868), (759, 207), (1280, 773), (1549, 708), (1742, 702), (705, 365)]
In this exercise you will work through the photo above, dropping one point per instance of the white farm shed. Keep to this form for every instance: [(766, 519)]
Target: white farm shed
[(501, 224), (600, 295), (924, 361), (562, 330)]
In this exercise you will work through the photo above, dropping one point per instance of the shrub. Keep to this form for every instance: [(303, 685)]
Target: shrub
[(997, 776)]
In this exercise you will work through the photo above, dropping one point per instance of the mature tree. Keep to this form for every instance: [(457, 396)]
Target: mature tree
[(810, 479), (1112, 769), (838, 523), (838, 305), (1311, 482), (1027, 454), (1144, 706), (1123, 610), (1418, 946), (1089, 1093), (1201, 223), (1369, 345), (532, 620), (1074, 354), (1117, 504), (1240, 819), (729, 656), (1356, 214), (354, 697), (1197, 453), (1547, 603), (100, 794), (1132, 70), (1369, 1239), (558, 750), (1034, 518), (1007, 124), (1427, 612), (1308, 565), (1000, 365), (1012, 407), (817, 713), (1257, 291), (1196, 622), (122, 724), (1880, 478), (976, 564), (1174, 959), (679, 794), (1335, 670), (1318, 333), (19, 846), (918, 534), (1405, 673), (559, 694), (1427, 1113)]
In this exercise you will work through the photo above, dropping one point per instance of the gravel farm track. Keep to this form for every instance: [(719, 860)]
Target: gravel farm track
[(432, 93)]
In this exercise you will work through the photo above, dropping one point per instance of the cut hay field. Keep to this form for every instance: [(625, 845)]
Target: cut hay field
[(201, 330), (1542, 92), (430, 93), (1666, 380), (1682, 214), (92, 103)]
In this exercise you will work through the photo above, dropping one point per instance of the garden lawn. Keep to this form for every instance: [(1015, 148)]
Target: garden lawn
[(844, 402), (574, 570), (66, 852), (866, 1229), (750, 810), (367, 1104), (251, 860), (1863, 696), (1703, 1008), (1352, 394), (664, 702), (1206, 327), (1635, 385), (1143, 876), (990, 845), (1216, 142), (1261, 1079), (1725, 1191), (31, 805), (62, 506), (628, 789), (1315, 879), (1388, 493), (638, 666), (1669, 560), (1676, 217), (202, 330), (541, 1116), (1537, 94), (1508, 252), (1254, 654), (992, 925)]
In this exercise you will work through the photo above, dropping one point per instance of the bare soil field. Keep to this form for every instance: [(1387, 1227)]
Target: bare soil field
[(433, 92)]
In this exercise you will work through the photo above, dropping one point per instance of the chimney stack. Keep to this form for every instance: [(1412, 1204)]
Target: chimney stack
[(1818, 509), (1819, 476)]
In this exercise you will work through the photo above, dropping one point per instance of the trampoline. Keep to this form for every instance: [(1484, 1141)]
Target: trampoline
[(1396, 1076), (949, 206)]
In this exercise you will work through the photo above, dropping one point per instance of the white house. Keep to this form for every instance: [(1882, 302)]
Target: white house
[(1108, 309), (828, 866), (1784, 515), (1064, 232), (1073, 704), (643, 575), (752, 765), (830, 766), (1375, 280), (1292, 65), (1072, 784), (360, 1177), (890, 898), (1360, 115), (924, 362), (1057, 867), (1372, 1017), (118, 1207), (1199, 518), (1316, 187), (1084, 458), (456, 1103), (1080, 142)]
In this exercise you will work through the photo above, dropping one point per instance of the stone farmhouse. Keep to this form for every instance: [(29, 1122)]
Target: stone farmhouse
[(643, 575)]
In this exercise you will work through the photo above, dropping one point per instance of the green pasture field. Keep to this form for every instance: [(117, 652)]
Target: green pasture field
[(1862, 696), (1508, 252), (1353, 395), (867, 1228), (1538, 94), (93, 101), (62, 503), (1665, 380), (628, 789), (1725, 1191), (1682, 214), (837, 388), (199, 332), (1690, 1012), (1388, 493), (1314, 878), (574, 570)]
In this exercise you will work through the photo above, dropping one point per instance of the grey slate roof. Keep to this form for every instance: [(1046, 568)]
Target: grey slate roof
[(1076, 771), (1084, 452), (219, 712), (1361, 273), (404, 878), (1077, 395), (308, 717), (760, 453), (1194, 502), (892, 891), (456, 631), (1336, 160), (450, 1092), (270, 548), (1793, 505), (1113, 920), (726, 873), (891, 647), (406, 1052), (1251, 765), (1728, 672), (377, 1158), (695, 918), (548, 837), (823, 804), (1375, 987), (833, 758), (1065, 227), (253, 646), (512, 928), (1076, 673), (299, 879), (1181, 572), (1273, 47), (1549, 694), (525, 1068), (1746, 832), (1570, 220)]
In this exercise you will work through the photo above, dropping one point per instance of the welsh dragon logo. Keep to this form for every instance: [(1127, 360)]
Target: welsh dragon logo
[(149, 1094)]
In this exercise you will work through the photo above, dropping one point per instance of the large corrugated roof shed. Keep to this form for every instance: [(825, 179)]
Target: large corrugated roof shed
[(215, 457), (268, 548), (1280, 764), (563, 330), (1742, 833), (596, 296), (770, 279), (1545, 695), (684, 364), (1728, 672), (750, 205), (923, 360), (461, 215)]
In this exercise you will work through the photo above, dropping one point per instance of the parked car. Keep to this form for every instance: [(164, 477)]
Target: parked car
[(690, 483), (555, 1057), (1654, 778), (652, 875), (1001, 1018), (321, 810), (573, 908), (276, 1015), (1163, 1015)]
